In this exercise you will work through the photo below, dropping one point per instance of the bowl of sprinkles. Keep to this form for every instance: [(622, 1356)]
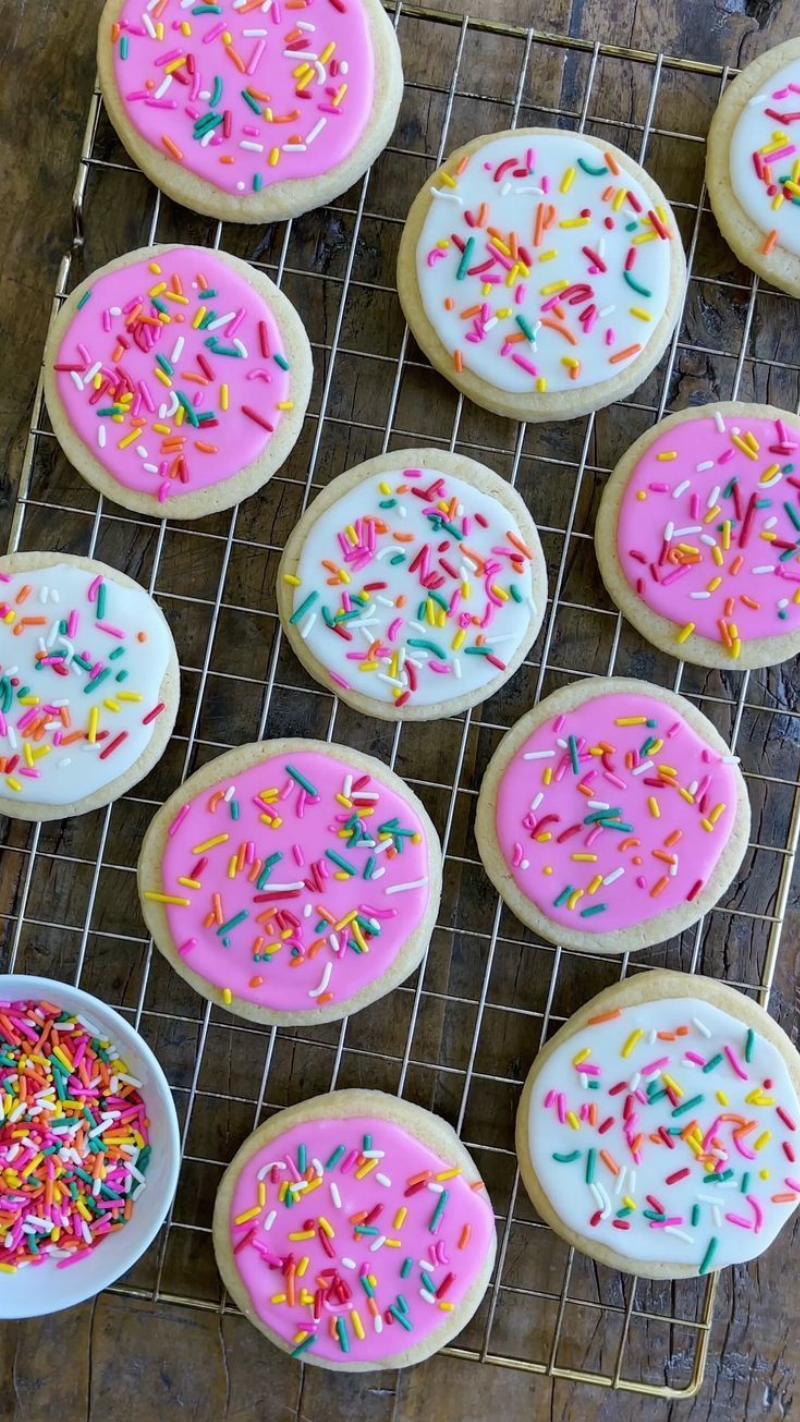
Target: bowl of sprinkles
[(89, 1146)]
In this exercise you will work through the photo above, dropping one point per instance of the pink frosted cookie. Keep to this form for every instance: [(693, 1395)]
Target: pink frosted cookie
[(353, 1231), (414, 585), (294, 881), (698, 535), (753, 165), (658, 1129), (177, 379), (250, 110), (541, 272), (612, 816), (89, 685)]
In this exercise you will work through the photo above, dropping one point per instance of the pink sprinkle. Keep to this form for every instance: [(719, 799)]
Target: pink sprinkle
[(178, 820), (94, 589), (735, 1063), (188, 945)]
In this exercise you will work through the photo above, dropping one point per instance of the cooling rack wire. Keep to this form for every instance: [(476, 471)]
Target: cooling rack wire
[(460, 1036)]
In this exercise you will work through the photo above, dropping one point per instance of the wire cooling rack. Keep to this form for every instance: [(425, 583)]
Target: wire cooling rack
[(459, 1037)]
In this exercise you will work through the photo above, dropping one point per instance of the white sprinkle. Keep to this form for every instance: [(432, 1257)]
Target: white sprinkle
[(679, 1234), (348, 1263), (765, 568), (713, 496), (719, 422), (270, 1220), (701, 468), (701, 1027), (377, 1244), (251, 148), (163, 87), (383, 1180), (613, 876), (323, 982), (101, 436), (681, 488), (316, 130), (401, 888), (539, 755), (335, 1196)]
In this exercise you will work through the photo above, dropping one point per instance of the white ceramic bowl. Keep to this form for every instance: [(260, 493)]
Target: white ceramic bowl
[(45, 1288)]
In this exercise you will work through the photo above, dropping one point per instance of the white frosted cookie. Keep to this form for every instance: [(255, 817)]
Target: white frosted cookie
[(541, 272), (89, 685), (177, 379), (354, 1232), (414, 585), (698, 535), (658, 1129), (753, 166), (292, 881), (250, 110), (612, 816)]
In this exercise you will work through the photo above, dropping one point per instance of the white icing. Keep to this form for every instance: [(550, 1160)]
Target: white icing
[(466, 672), (756, 130), (710, 1031), (67, 773), (513, 203)]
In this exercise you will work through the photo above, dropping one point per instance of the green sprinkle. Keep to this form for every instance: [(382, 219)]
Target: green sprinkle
[(337, 859), (427, 646), (573, 750), (526, 328), (304, 1346), (712, 1063), (642, 290), (232, 923), (749, 1045), (301, 780), (566, 1159), (593, 172), (87, 296), (254, 104), (563, 896), (591, 1159), (281, 361), (466, 258), (304, 607), (333, 1160), (595, 908), (708, 1257), (695, 1215)]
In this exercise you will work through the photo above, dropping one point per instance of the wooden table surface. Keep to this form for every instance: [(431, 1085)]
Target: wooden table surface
[(143, 1360)]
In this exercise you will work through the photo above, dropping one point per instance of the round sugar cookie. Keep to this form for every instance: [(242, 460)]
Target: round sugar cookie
[(658, 1129), (698, 535), (612, 816), (753, 166), (414, 585), (385, 1206), (250, 112), (292, 880), (177, 379), (89, 685), (541, 272)]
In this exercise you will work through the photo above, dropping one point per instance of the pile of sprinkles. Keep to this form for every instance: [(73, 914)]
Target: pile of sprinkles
[(173, 372), (709, 529), (82, 660), (543, 264), (74, 1138), (668, 1131), (296, 883), (414, 587), (246, 93), (614, 812), (765, 160), (354, 1240)]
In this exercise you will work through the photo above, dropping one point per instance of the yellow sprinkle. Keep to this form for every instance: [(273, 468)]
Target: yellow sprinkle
[(631, 1042), (640, 314), (541, 385), (274, 157), (585, 858), (227, 996), (574, 899), (248, 1215), (763, 1140), (400, 1218), (568, 179), (744, 446), (358, 1327), (654, 807), (595, 884), (210, 843), (573, 1121), (294, 582), (165, 898), (554, 287), (582, 1056), (686, 632)]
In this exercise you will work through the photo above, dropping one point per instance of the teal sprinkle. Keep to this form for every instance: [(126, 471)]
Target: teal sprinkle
[(206, 124), (159, 305), (301, 780), (269, 865), (427, 1282), (708, 1257), (441, 1206), (191, 414), (304, 607), (466, 258), (232, 923), (124, 47), (122, 676), (716, 1177), (387, 503), (601, 815), (745, 1182), (624, 1212), (401, 1318), (98, 681), (749, 1045), (166, 365), (302, 1159), (397, 558), (207, 10), (281, 361), (427, 646), (794, 516), (369, 868), (443, 603), (591, 1160), (515, 592), (366, 1229), (408, 1265), (236, 809), (617, 825), (688, 1105), (101, 601), (654, 1215), (695, 1215), (763, 503), (304, 1346), (631, 226), (216, 349), (657, 1095), (713, 1063), (207, 319), (87, 296), (595, 908), (526, 328), (573, 750), (563, 896), (258, 182), (337, 859), (593, 172), (333, 1160), (217, 94), (254, 104), (789, 553), (367, 1286), (728, 491), (207, 415), (642, 290)]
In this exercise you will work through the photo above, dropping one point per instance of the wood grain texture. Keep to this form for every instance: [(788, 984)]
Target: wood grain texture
[(169, 1362)]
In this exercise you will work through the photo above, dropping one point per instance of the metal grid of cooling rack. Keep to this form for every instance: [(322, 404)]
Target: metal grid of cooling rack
[(461, 1035)]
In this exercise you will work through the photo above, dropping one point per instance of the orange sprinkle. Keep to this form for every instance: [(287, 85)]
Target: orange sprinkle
[(605, 1155), (612, 163), (770, 242), (458, 361), (623, 355), (172, 148), (563, 331), (605, 1017)]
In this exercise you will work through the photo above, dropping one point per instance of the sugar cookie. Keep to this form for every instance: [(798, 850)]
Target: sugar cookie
[(753, 166), (657, 1130), (291, 880), (612, 816), (414, 585), (541, 272), (177, 379), (246, 110), (698, 535), (354, 1232), (89, 685)]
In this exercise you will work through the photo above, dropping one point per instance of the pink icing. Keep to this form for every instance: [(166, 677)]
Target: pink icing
[(122, 368), (292, 951), (443, 1239), (233, 73), (733, 573), (661, 853)]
